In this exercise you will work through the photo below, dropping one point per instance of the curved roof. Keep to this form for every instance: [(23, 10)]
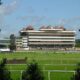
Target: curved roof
[(42, 27), (61, 27), (29, 27), (48, 27)]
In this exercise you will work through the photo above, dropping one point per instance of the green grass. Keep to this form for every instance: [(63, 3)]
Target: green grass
[(47, 61), (61, 76), (16, 75)]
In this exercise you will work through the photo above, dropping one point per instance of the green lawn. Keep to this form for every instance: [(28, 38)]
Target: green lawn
[(47, 61), (61, 76)]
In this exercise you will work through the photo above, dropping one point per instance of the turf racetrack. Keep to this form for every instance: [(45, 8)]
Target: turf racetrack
[(55, 65)]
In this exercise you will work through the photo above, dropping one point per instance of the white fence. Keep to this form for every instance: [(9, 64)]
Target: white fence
[(49, 72)]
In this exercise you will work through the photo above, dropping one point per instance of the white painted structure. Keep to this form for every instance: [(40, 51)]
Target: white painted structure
[(47, 38)]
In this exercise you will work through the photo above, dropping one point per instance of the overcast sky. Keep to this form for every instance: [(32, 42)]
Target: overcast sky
[(16, 14)]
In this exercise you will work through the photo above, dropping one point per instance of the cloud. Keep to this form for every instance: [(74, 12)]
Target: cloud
[(8, 9), (4, 11)]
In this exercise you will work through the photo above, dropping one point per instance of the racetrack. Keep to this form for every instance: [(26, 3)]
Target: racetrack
[(49, 62)]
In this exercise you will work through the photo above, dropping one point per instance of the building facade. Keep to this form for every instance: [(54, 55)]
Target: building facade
[(4, 43), (46, 38)]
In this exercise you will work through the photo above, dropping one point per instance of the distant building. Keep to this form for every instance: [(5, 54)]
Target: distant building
[(45, 38), (4, 43)]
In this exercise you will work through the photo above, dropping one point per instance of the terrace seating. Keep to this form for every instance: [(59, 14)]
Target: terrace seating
[(17, 61)]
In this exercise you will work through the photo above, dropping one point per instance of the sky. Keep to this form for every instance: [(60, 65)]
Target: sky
[(18, 14)]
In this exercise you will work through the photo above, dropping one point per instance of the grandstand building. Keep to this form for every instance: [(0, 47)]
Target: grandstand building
[(46, 38)]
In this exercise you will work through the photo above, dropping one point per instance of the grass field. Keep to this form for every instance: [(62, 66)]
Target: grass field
[(55, 65)]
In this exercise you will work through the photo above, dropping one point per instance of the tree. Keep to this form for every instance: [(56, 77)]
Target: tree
[(12, 42), (0, 2), (32, 72), (4, 73), (77, 43), (0, 30), (76, 76)]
